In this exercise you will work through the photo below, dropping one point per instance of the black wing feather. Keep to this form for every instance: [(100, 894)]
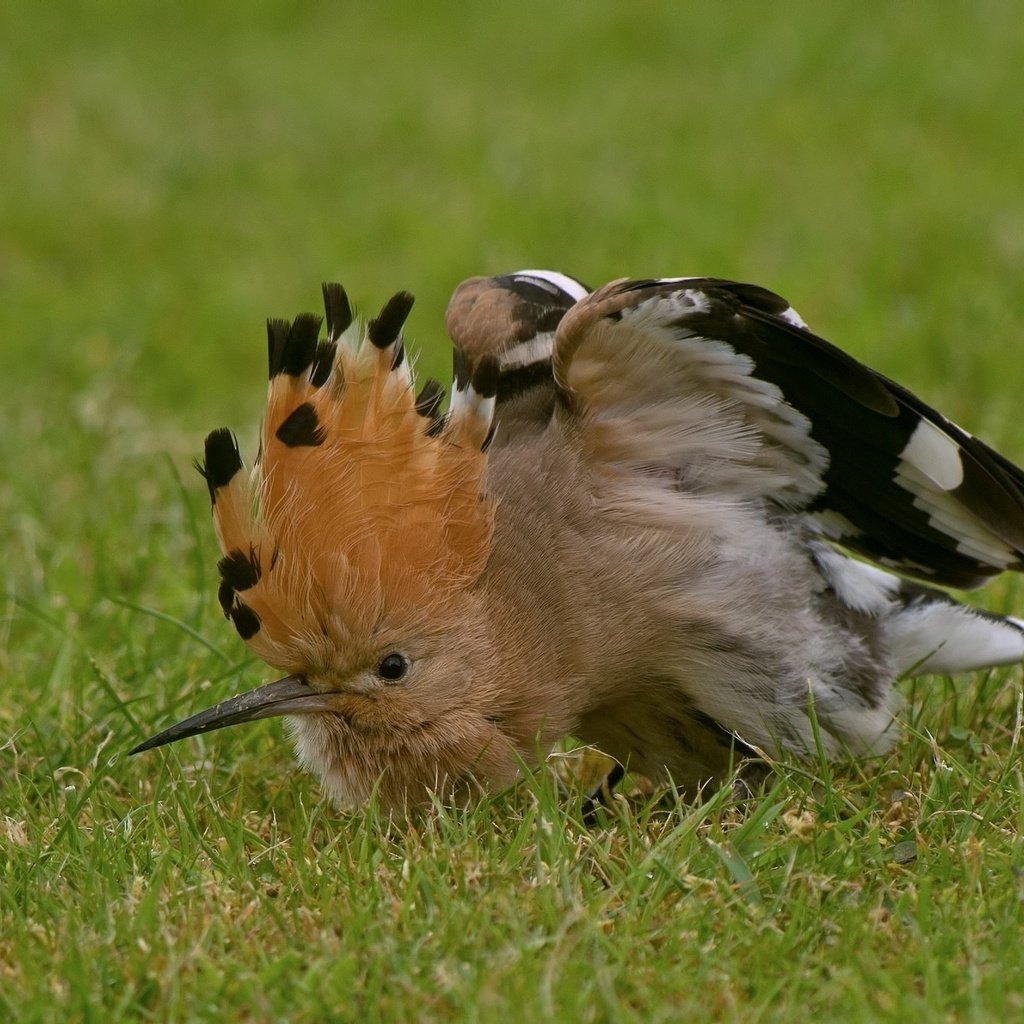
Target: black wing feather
[(865, 422)]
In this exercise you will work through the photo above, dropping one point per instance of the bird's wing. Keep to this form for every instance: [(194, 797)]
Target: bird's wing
[(721, 389), (513, 317)]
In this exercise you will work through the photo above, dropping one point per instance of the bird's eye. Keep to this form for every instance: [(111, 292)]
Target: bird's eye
[(393, 667)]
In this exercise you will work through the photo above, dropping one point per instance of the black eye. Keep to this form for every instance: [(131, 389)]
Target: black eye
[(393, 667)]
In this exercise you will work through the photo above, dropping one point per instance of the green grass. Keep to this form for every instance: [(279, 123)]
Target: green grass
[(172, 174)]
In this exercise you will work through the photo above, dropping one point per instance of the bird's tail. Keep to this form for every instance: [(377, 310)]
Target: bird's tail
[(926, 631), (930, 632)]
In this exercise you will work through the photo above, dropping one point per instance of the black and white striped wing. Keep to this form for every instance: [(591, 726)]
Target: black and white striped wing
[(513, 318), (723, 385)]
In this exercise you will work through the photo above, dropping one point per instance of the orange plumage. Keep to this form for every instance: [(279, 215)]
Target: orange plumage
[(358, 501)]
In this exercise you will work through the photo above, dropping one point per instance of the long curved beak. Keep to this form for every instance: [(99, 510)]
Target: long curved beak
[(289, 696)]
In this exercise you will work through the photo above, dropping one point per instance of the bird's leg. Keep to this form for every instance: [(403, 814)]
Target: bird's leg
[(602, 795)]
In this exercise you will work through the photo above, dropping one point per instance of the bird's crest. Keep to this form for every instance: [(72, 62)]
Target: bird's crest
[(364, 502)]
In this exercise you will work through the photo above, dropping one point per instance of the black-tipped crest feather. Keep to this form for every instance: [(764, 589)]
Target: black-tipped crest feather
[(429, 400), (384, 329), (240, 569), (246, 621), (221, 462), (301, 429), (338, 310), (225, 597), (277, 335), (323, 362), (300, 345)]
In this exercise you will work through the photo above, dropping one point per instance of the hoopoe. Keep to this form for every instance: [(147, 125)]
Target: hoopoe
[(631, 526)]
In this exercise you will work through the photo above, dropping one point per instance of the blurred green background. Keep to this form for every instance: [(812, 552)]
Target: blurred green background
[(172, 174)]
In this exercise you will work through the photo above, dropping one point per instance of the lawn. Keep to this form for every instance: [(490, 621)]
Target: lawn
[(173, 174)]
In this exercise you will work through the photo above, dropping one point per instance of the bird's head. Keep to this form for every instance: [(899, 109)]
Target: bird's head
[(350, 558)]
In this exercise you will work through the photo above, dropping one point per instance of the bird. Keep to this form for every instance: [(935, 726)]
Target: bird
[(662, 517)]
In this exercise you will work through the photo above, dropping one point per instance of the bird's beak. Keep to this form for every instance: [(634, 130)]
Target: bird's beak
[(289, 696)]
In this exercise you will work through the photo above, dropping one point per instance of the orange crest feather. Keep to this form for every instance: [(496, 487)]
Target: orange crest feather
[(363, 500)]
